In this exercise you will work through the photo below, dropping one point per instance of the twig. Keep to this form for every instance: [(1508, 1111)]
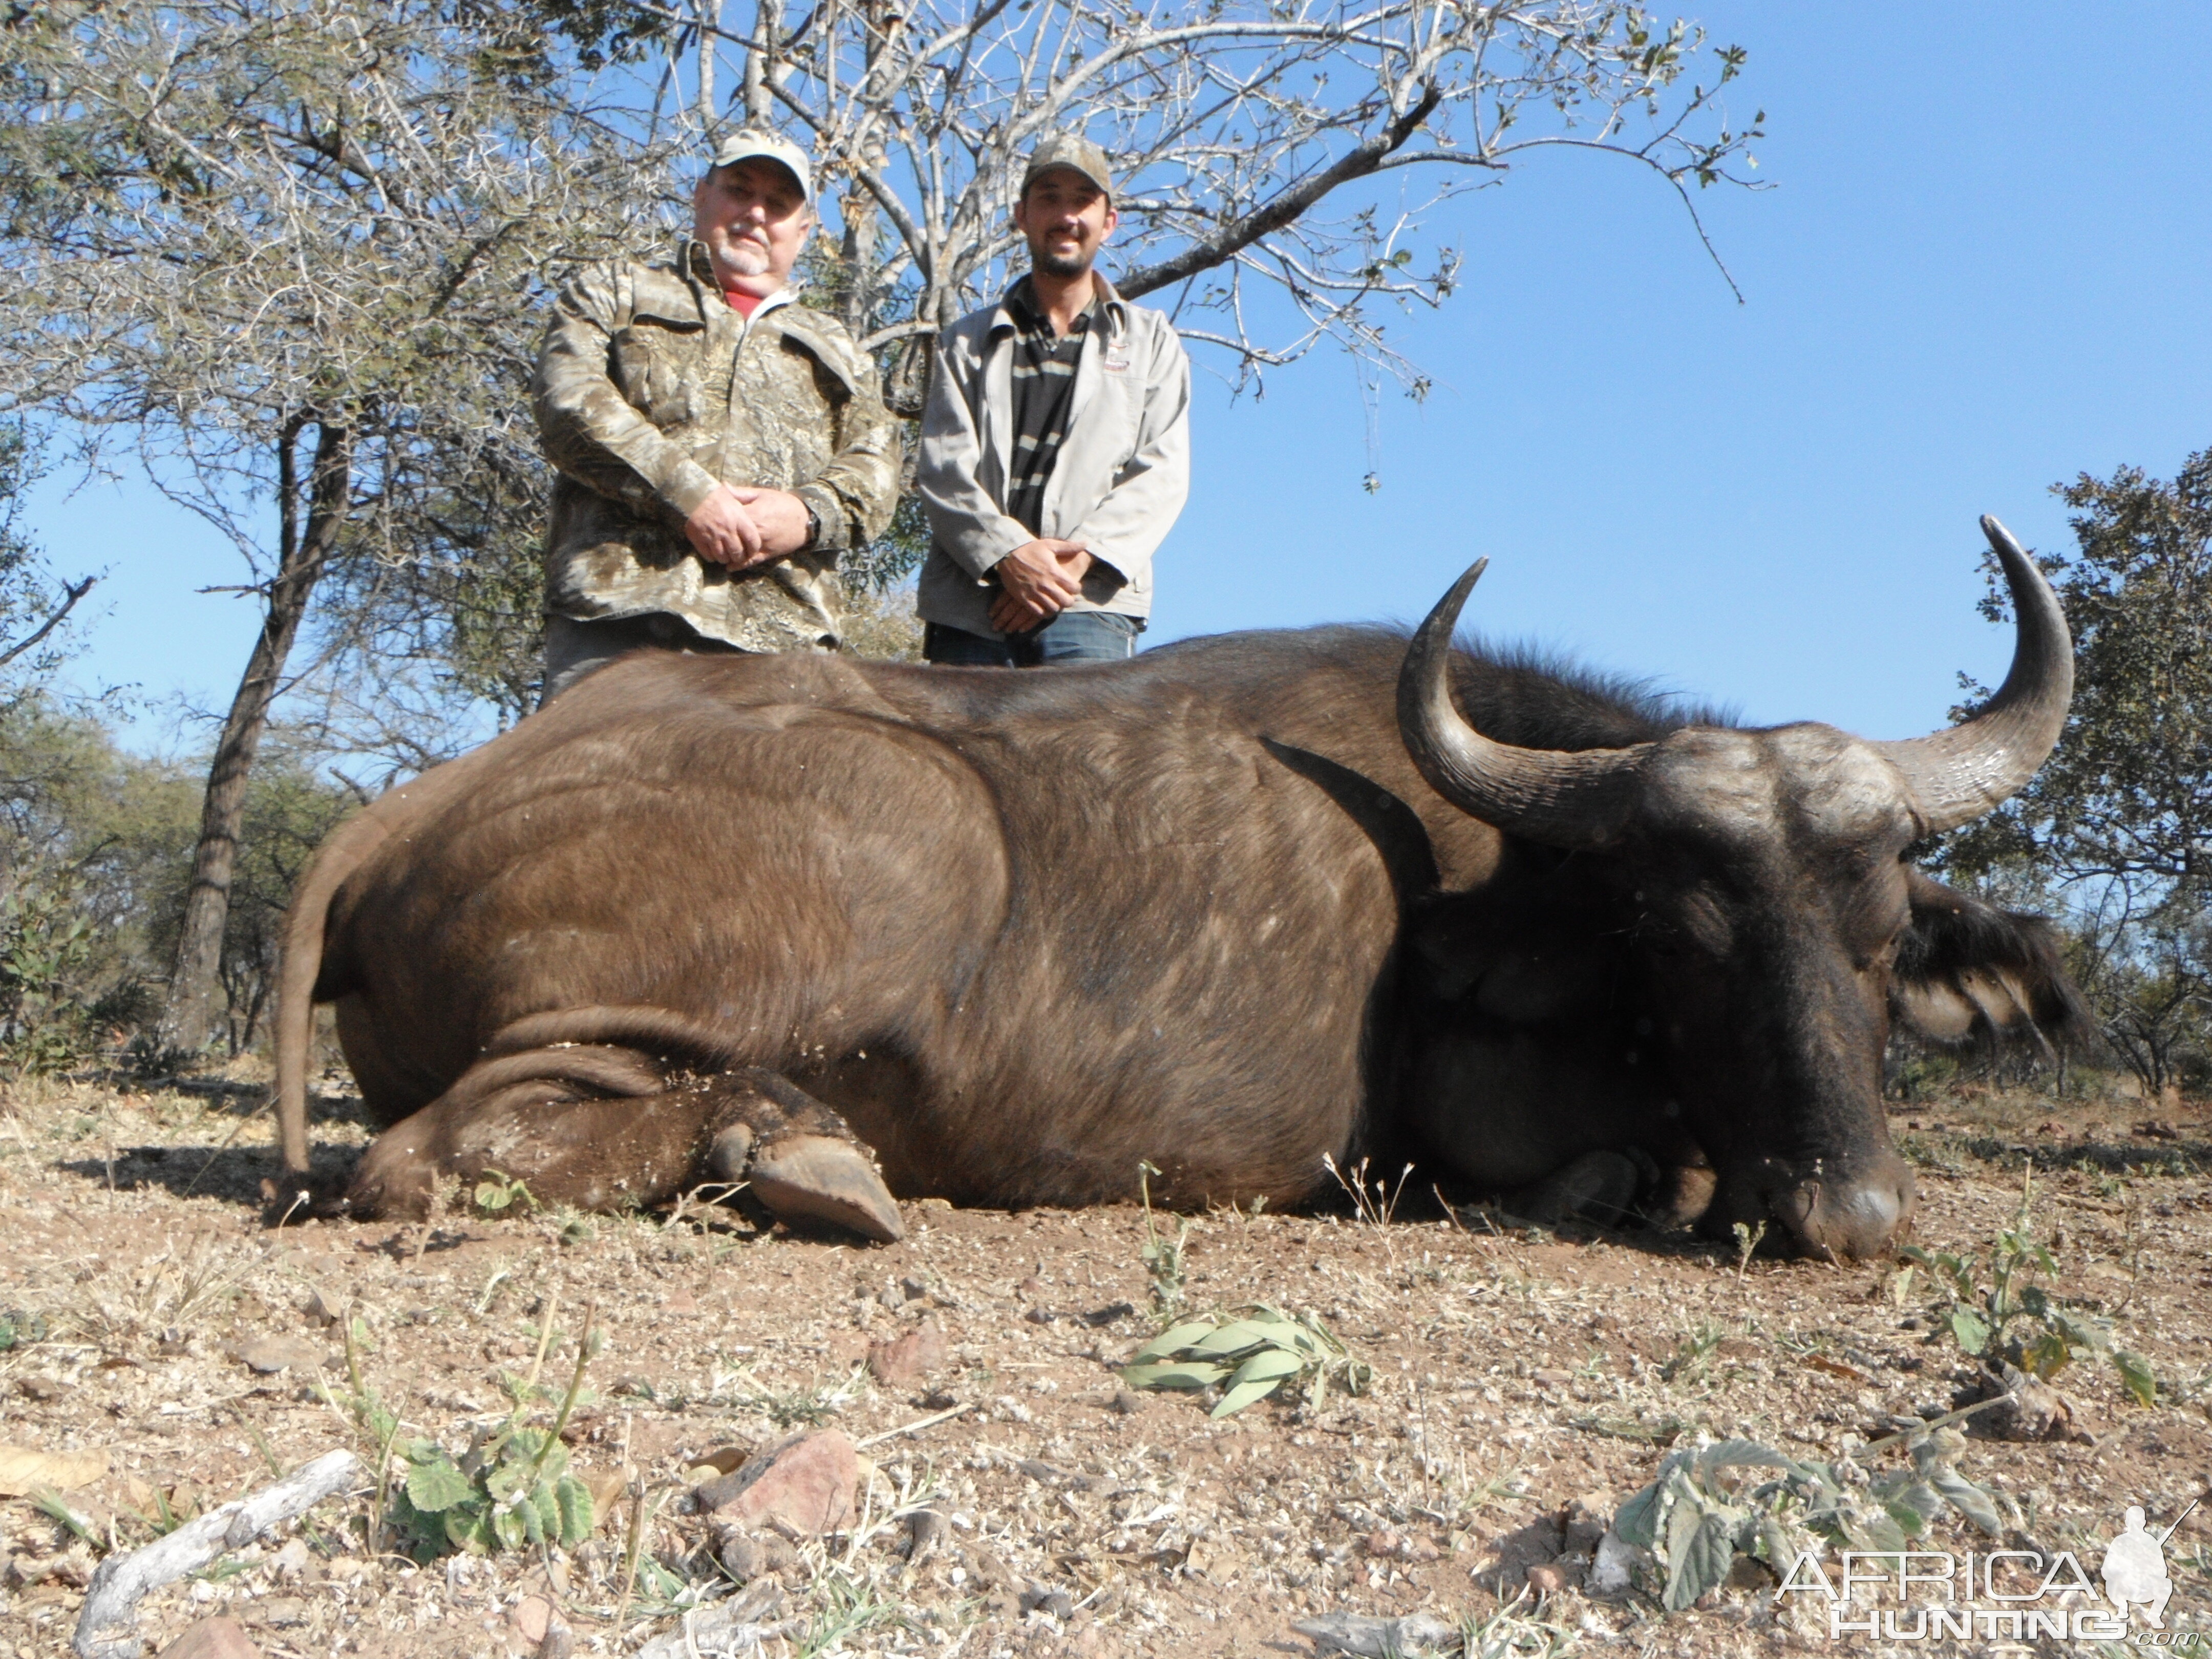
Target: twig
[(909, 1428), (631, 1549), (544, 1341), (2177, 1520), (430, 1222), (2098, 1204), (102, 1631), (575, 1385), (1935, 1423)]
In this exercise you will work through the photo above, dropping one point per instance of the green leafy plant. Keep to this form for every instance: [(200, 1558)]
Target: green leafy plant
[(1711, 1503), (1998, 1312), (47, 947), (497, 1193), (19, 1329), (1248, 1355), (511, 1489)]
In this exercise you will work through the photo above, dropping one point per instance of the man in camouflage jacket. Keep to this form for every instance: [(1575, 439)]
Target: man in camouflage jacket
[(718, 445)]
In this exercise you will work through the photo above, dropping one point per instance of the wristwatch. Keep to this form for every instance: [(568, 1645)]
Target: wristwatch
[(813, 523)]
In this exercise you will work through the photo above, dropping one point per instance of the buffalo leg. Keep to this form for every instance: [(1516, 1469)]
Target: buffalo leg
[(604, 1128), (1598, 1187)]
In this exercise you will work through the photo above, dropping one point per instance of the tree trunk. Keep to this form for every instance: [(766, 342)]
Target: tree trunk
[(189, 1017)]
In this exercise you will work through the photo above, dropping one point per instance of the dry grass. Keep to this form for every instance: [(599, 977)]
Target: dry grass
[(1515, 1374)]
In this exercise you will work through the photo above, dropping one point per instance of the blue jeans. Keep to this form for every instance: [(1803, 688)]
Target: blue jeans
[(1072, 637)]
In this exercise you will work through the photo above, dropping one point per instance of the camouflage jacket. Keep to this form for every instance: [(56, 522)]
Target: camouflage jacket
[(650, 391)]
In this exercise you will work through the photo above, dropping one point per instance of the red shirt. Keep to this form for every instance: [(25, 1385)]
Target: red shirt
[(744, 304)]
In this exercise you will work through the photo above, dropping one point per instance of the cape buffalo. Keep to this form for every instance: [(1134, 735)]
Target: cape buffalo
[(1229, 907)]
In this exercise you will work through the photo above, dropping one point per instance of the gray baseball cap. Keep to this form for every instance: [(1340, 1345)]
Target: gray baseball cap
[(747, 143), (1069, 149)]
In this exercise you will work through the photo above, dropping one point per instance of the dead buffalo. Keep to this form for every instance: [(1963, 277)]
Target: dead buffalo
[(1232, 906)]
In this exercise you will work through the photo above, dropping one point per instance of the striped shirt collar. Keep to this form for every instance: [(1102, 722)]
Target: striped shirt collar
[(1005, 319)]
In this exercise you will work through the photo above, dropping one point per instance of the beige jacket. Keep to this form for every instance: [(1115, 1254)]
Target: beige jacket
[(650, 391), (1121, 476)]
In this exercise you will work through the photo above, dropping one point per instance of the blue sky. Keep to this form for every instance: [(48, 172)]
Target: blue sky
[(1982, 268)]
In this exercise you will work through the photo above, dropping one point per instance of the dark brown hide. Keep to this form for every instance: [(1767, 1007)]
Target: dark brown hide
[(1021, 931)]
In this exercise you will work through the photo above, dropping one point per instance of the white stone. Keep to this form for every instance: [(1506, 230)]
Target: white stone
[(1619, 1561)]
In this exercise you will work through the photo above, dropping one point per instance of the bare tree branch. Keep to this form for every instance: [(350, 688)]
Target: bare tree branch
[(1233, 238), (70, 595)]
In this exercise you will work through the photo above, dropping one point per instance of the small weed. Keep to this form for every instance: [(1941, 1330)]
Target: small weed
[(1997, 1312), (1693, 1354), (1515, 1631), (849, 1607), (1709, 1505), (1376, 1207), (177, 1288), (167, 1517), (1746, 1242), (512, 1488), (497, 1194), (806, 1408), (1163, 1258), (19, 1329), (49, 1504), (1248, 1358)]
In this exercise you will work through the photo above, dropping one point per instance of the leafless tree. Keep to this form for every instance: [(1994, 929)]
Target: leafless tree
[(288, 251), (1242, 127), (294, 252)]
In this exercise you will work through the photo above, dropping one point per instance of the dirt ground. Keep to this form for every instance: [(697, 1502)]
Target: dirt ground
[(1524, 1385)]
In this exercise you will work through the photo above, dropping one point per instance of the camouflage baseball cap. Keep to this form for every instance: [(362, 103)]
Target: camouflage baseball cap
[(1069, 149), (746, 142)]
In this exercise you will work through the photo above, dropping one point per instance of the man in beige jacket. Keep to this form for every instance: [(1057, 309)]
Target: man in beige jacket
[(1056, 444), (718, 445)]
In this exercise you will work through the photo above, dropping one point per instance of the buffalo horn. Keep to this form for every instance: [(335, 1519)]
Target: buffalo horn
[(1564, 798), (1959, 774)]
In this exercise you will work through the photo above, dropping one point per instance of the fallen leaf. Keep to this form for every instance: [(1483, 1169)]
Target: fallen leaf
[(1820, 1362), (24, 1472), (606, 1486)]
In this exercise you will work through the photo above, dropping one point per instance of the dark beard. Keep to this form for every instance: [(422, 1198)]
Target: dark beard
[(1074, 266)]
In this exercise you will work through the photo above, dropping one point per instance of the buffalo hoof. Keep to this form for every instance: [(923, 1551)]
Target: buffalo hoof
[(731, 1150), (1597, 1188), (814, 1178)]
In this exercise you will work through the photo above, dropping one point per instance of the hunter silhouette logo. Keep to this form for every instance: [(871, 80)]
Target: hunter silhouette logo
[(2019, 1595), (2134, 1567)]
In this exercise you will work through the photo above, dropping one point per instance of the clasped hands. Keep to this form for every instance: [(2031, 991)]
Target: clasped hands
[(1037, 581), (740, 527)]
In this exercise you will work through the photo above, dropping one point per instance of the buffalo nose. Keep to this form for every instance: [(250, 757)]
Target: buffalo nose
[(1853, 1218)]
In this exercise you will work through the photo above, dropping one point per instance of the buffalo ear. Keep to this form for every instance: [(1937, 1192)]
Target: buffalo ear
[(1968, 969)]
